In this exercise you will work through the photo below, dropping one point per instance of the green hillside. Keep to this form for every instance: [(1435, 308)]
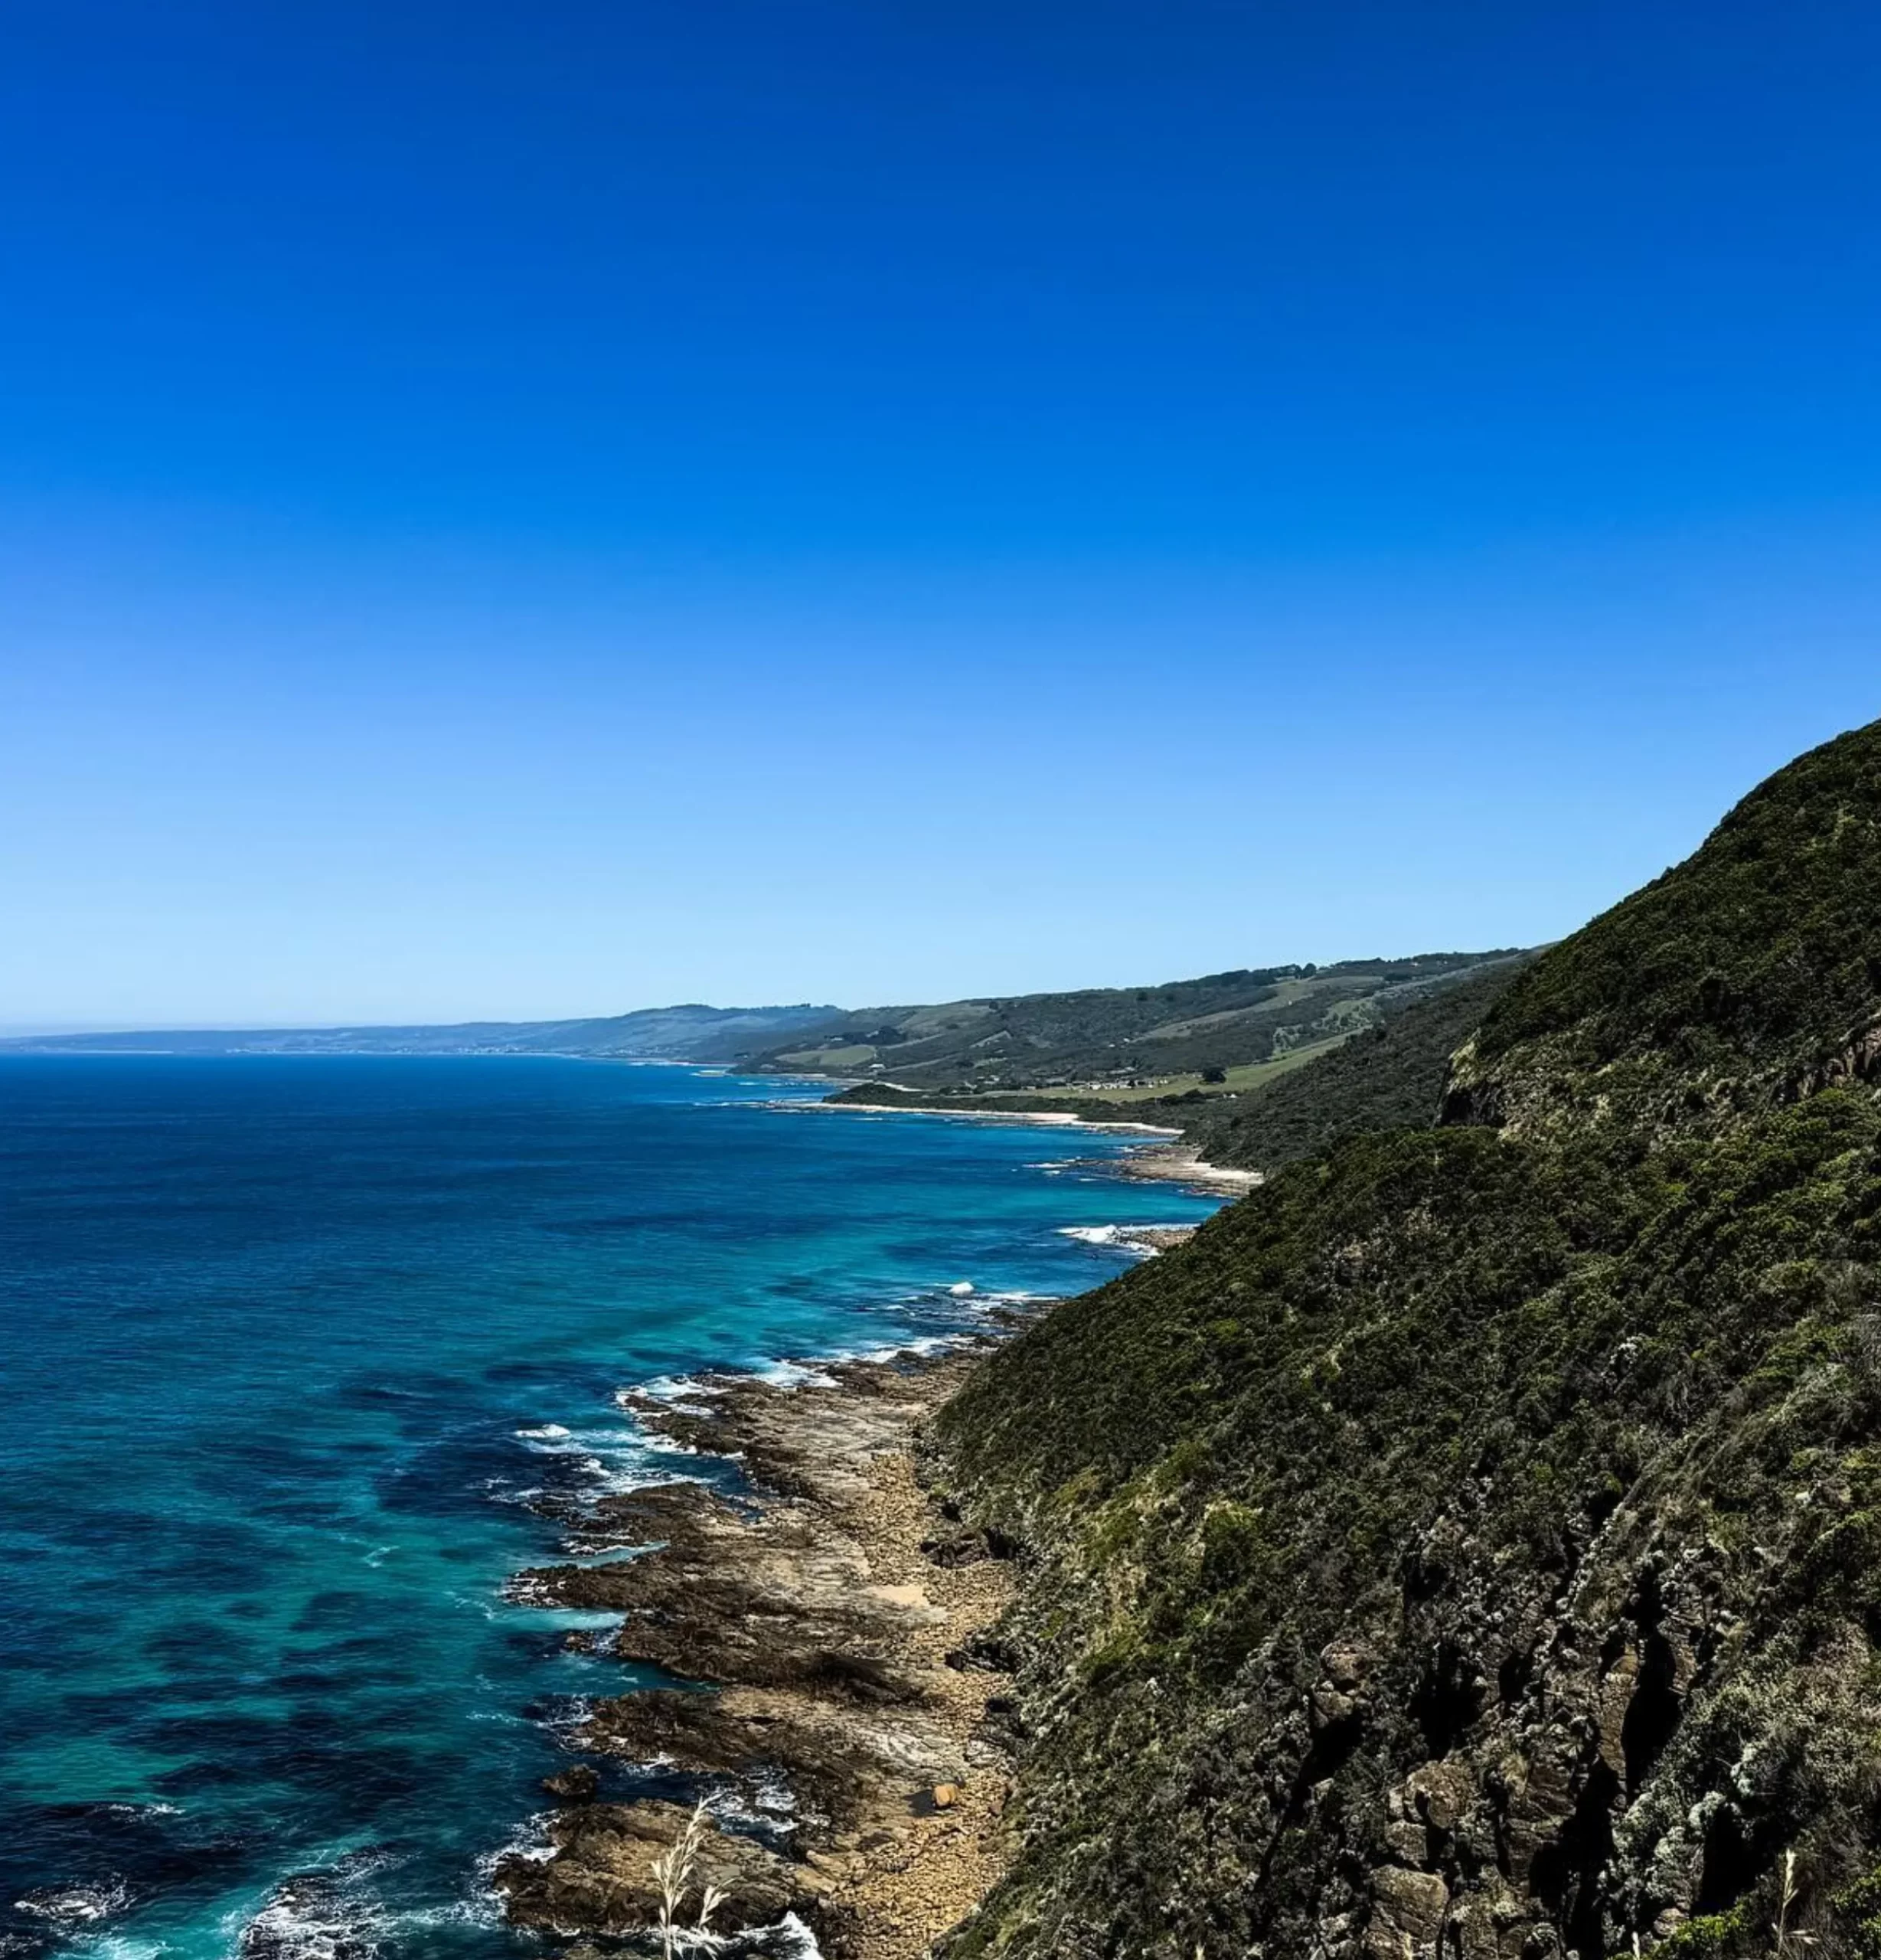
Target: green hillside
[(1255, 1116), (1122, 1042), (1470, 1544), (1391, 1077)]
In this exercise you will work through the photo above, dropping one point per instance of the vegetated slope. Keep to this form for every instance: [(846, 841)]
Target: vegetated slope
[(691, 1032), (1391, 1077), (1471, 1543), (1752, 971), (1103, 1036)]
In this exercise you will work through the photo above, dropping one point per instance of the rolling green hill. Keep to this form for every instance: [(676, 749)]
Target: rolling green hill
[(1470, 1544), (1122, 1043), (1391, 1077)]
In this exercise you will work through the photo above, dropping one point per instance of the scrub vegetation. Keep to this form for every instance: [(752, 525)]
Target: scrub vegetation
[(1470, 1543)]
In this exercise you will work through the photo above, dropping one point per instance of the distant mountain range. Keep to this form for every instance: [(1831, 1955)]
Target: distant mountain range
[(692, 1033)]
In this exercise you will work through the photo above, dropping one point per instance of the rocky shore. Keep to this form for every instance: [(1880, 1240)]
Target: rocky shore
[(829, 1684), (1177, 1163)]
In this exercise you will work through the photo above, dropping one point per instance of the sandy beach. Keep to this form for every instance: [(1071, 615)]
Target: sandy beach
[(1047, 1119), (1171, 1162)]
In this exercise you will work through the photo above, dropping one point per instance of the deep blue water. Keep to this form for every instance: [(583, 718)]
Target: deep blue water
[(276, 1333)]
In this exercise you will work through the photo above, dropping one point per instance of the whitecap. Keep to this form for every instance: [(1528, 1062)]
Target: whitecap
[(797, 1941), (317, 1915), (919, 1344), (76, 1904), (668, 1388), (110, 1946), (794, 1374)]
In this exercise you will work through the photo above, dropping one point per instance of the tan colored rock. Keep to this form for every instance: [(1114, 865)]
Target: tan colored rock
[(1407, 1913), (601, 1879), (1440, 1793), (1347, 1663), (1407, 1841), (828, 1618), (1616, 1696)]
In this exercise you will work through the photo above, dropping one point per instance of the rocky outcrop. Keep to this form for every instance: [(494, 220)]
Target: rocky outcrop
[(1855, 1060), (837, 1715), (599, 1875)]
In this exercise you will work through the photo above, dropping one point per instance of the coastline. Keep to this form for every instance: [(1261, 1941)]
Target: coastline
[(1173, 1164), (1169, 1162), (821, 1632), (853, 1745), (1164, 1163), (1049, 1118)]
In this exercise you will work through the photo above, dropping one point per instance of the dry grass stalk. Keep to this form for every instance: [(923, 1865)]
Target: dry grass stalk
[(1788, 1942), (672, 1872)]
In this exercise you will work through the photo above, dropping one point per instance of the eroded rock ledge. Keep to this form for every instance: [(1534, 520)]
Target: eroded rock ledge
[(828, 1631)]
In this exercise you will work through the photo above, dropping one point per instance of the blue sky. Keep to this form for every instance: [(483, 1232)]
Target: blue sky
[(519, 511)]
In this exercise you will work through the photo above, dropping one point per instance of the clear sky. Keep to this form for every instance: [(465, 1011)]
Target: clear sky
[(522, 509)]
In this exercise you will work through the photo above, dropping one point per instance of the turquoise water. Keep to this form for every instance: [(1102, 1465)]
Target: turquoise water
[(289, 1344)]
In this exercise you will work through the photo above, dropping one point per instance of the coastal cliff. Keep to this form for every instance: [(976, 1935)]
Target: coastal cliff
[(1470, 1543)]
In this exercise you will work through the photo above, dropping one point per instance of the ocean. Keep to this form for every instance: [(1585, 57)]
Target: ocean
[(287, 1345)]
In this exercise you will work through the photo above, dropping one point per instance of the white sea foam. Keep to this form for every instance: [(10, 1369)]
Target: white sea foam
[(794, 1374), (316, 1915), (103, 1946), (670, 1388), (1117, 1238), (481, 1908), (76, 1904), (797, 1941), (919, 1343), (529, 1840), (614, 1460)]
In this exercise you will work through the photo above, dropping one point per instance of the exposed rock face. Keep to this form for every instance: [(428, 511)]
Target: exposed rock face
[(1858, 1059)]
